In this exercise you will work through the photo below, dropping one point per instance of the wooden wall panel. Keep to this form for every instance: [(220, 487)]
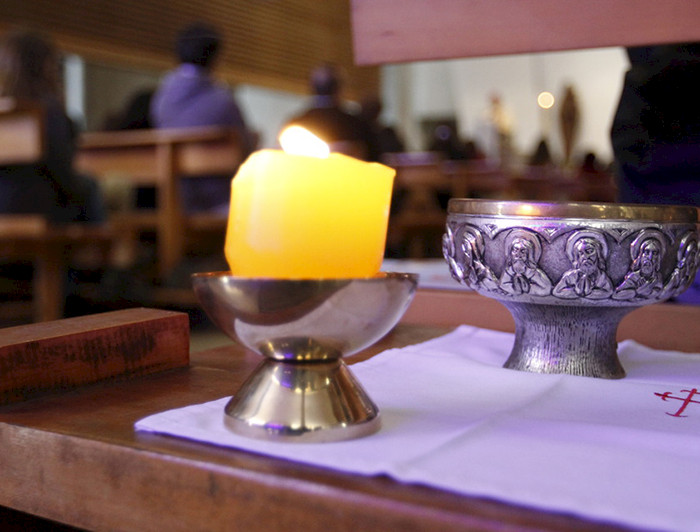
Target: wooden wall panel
[(390, 31), (272, 43)]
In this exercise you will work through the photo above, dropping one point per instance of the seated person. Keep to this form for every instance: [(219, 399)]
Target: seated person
[(190, 97), (328, 120), (30, 74), (135, 115), (386, 138), (446, 142)]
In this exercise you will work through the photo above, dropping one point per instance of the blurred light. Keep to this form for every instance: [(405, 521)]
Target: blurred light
[(525, 210), (545, 100), (299, 141)]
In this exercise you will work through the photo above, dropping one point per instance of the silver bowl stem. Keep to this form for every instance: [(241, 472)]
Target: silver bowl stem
[(572, 340)]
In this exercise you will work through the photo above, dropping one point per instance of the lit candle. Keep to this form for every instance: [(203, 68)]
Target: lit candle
[(303, 217)]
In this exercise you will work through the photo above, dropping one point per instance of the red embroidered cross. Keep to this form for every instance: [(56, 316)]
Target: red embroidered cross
[(686, 400)]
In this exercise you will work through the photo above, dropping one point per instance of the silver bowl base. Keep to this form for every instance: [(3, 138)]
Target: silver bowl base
[(574, 340)]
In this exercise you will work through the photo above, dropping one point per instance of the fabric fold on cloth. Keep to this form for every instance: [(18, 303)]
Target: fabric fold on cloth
[(453, 418)]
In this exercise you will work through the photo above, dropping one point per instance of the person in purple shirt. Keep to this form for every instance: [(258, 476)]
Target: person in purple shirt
[(189, 96)]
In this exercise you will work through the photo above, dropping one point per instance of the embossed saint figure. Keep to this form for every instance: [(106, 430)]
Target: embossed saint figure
[(476, 273), (521, 275), (643, 281), (448, 251), (473, 271), (587, 251), (684, 272)]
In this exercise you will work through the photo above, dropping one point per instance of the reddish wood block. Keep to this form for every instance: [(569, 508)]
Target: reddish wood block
[(63, 354)]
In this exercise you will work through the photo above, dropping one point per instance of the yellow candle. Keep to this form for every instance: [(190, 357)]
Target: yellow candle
[(301, 217)]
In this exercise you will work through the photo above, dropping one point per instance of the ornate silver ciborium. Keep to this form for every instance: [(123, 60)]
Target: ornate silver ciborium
[(569, 272), (303, 391)]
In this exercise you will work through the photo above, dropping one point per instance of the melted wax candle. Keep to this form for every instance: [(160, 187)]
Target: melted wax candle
[(304, 217)]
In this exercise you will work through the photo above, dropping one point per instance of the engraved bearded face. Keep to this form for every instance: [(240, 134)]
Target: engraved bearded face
[(521, 254), (587, 255), (650, 257)]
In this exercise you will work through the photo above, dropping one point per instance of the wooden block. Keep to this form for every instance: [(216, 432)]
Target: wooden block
[(59, 355)]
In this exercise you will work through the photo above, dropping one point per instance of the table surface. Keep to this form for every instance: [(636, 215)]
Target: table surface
[(74, 457)]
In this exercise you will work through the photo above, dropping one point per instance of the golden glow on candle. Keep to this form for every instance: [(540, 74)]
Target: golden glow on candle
[(300, 141), (300, 217)]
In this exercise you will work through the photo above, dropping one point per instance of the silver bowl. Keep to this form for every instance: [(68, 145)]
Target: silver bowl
[(303, 391), (569, 272)]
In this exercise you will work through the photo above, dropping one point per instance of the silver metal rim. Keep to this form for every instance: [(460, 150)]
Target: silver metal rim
[(560, 210)]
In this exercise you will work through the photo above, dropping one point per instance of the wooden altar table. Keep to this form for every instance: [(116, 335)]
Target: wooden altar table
[(75, 458)]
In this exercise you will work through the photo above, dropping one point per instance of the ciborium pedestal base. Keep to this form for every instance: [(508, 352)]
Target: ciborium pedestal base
[(302, 402), (566, 339)]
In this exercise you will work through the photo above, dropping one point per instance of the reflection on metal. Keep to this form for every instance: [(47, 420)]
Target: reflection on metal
[(303, 391)]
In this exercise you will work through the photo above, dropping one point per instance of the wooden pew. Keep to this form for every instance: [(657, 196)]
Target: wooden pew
[(30, 237), (542, 183), (50, 249), (478, 179), (159, 158), (421, 179), (551, 183), (595, 186), (419, 219)]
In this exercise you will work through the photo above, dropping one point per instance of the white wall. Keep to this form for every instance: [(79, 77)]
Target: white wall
[(109, 88), (266, 111), (462, 88)]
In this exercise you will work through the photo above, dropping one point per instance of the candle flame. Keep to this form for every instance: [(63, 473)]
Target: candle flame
[(300, 141)]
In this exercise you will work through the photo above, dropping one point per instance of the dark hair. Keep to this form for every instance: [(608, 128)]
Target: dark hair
[(29, 66), (325, 80), (198, 44), (136, 112)]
